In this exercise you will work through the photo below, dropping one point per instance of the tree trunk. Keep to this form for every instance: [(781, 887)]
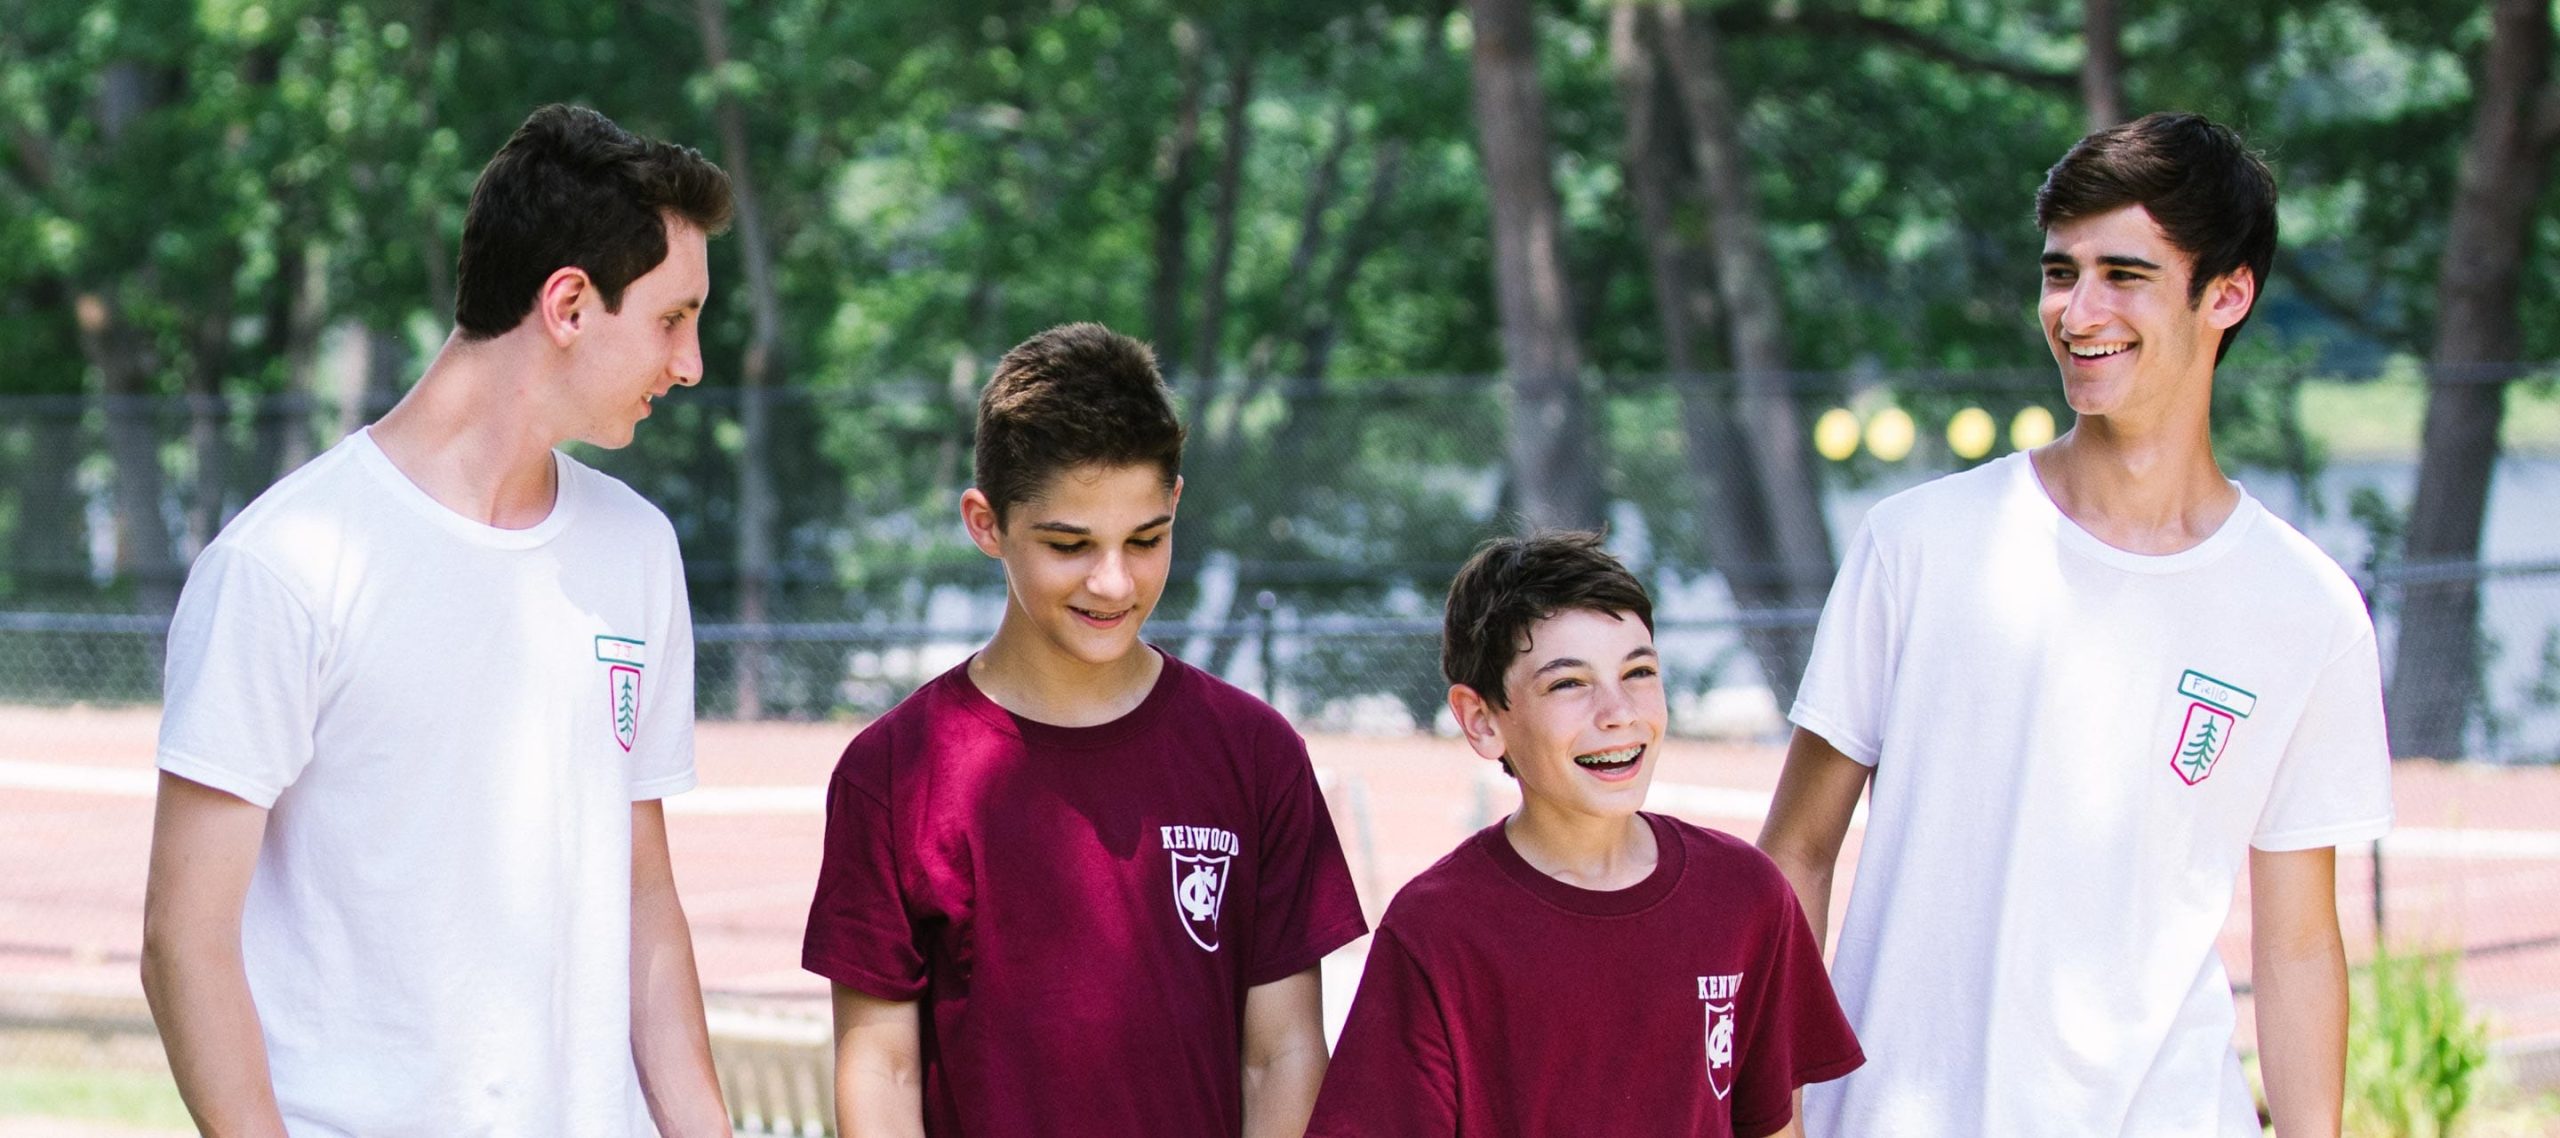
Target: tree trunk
[(1739, 544), (764, 306), (1206, 346), (2479, 336), (1177, 167), (2102, 63), (1554, 476), (145, 555), (1747, 280)]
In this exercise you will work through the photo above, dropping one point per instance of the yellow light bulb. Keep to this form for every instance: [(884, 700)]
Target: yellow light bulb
[(1835, 434), (1891, 433)]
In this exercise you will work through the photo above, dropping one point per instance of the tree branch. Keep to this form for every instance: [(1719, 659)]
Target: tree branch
[(2355, 314), (1749, 19), (2546, 117)]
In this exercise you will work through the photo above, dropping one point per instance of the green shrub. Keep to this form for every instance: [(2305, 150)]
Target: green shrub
[(2414, 1050)]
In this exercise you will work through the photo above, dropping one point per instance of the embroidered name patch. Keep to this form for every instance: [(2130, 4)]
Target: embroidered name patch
[(623, 659), (2214, 711)]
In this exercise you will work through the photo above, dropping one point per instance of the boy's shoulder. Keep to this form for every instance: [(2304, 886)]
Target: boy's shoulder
[(1726, 864), (1951, 503)]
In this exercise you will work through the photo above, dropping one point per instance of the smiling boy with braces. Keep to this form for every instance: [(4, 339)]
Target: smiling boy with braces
[(1478, 1012)]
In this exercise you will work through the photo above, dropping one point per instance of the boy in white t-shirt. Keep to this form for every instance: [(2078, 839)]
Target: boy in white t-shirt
[(2084, 681), (409, 871)]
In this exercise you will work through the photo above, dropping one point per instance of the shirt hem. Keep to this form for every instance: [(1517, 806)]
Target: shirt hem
[(1319, 946), (1811, 720), (667, 787), (863, 980), (2289, 841), (251, 790)]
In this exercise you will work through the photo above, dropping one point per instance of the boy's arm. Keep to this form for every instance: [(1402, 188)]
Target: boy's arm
[(670, 1043), (1809, 818), (879, 1067), (2299, 967), (204, 849), (1284, 1056)]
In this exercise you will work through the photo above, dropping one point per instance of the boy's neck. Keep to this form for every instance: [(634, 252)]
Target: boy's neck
[(1585, 851), (1026, 675), (2151, 489), (470, 435)]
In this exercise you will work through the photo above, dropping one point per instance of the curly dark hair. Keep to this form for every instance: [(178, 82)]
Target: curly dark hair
[(2211, 196), (571, 189), (1513, 583), (1075, 395)]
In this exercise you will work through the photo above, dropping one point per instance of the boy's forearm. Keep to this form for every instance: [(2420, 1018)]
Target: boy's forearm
[(200, 1000), (879, 1067), (670, 1041), (2302, 1035), (1280, 1094)]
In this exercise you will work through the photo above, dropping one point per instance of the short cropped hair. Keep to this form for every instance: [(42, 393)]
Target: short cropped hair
[(571, 189), (1075, 395), (2213, 198), (1511, 584)]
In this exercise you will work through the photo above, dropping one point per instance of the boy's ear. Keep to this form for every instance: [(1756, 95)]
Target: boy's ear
[(2228, 298), (562, 303), (1476, 719), (978, 515)]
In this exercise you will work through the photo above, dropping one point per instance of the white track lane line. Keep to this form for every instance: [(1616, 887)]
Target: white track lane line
[(2421, 842)]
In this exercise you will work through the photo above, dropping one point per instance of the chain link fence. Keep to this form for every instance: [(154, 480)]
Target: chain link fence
[(1318, 532)]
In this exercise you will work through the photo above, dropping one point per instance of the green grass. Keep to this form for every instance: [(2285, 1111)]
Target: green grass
[(126, 1097), (2382, 418)]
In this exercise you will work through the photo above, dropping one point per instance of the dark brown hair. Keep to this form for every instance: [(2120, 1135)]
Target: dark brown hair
[(1075, 395), (2213, 198), (1513, 583), (571, 189)]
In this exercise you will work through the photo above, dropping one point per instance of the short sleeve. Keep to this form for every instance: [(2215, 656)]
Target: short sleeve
[(859, 935), (662, 757), (1393, 1075), (241, 690), (1304, 906), (1796, 1034), (1849, 679), (2334, 783)]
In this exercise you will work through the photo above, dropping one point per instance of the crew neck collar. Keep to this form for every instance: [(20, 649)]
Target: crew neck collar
[(411, 496), (1670, 858), (2225, 537), (1172, 675)]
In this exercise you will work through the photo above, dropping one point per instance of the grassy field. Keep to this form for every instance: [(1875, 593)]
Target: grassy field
[(123, 1098), (2381, 418)]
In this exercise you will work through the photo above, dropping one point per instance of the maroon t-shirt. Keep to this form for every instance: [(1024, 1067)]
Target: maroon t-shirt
[(1500, 1001), (1079, 909)]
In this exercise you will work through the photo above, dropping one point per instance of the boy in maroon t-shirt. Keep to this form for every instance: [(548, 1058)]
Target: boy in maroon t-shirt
[(1075, 886), (1579, 967)]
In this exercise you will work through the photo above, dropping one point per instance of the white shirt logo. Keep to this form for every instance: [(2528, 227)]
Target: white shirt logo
[(1200, 857)]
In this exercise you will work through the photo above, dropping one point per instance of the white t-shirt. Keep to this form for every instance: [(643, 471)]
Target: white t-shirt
[(449, 723), (2074, 748)]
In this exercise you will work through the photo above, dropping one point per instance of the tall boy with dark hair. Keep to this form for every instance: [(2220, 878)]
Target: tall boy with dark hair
[(1580, 967), (2084, 681), (409, 872), (1075, 886)]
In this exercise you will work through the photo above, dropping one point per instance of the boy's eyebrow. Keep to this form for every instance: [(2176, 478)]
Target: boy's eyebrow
[(2117, 260), (1086, 531), (1558, 664)]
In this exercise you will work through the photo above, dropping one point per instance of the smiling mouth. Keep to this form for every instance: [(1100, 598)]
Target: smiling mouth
[(1105, 619), (2096, 351), (1611, 762)]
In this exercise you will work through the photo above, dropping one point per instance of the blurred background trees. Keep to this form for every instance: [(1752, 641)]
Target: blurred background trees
[(227, 232)]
